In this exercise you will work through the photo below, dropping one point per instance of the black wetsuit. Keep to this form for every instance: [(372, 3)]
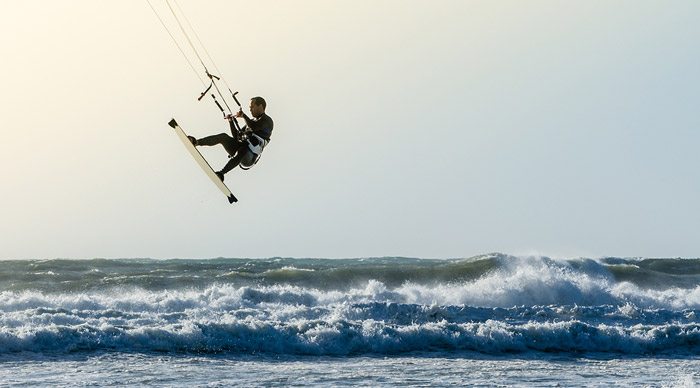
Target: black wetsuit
[(261, 126)]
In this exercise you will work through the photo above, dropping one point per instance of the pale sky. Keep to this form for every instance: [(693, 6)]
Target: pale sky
[(439, 129)]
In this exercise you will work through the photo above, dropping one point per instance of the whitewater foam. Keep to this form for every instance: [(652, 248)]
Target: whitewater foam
[(504, 305)]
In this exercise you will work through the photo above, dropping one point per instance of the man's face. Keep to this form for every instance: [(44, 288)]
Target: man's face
[(256, 110)]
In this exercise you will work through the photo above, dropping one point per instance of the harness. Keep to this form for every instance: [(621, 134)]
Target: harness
[(256, 144)]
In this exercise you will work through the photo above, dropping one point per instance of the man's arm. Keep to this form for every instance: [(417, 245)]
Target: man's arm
[(248, 121), (233, 125)]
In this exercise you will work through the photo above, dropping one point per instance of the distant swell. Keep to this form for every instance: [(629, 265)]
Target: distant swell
[(96, 274), (489, 304)]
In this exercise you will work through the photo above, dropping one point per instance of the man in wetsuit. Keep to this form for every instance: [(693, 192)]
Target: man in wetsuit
[(258, 131)]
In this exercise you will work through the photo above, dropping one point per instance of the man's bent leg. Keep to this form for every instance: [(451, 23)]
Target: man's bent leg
[(230, 144), (243, 153), (232, 163)]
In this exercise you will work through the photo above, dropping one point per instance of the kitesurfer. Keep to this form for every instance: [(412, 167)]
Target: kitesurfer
[(242, 151)]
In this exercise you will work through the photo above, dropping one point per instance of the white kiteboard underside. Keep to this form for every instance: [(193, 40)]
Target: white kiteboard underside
[(202, 162)]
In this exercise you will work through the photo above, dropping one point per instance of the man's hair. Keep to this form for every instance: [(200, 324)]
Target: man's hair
[(259, 101)]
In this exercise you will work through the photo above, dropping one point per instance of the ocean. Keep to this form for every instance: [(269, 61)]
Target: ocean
[(487, 321)]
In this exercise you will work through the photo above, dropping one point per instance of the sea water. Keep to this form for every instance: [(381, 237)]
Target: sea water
[(486, 321)]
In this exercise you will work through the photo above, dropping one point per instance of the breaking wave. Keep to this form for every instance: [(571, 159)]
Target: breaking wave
[(489, 304)]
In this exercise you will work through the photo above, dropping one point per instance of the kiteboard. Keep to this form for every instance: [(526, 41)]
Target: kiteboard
[(202, 162)]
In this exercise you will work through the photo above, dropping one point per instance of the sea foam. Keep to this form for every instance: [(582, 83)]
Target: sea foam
[(513, 305)]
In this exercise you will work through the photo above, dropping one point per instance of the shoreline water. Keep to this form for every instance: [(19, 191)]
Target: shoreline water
[(472, 370)]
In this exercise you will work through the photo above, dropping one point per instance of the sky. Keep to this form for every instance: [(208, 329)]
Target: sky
[(440, 129)]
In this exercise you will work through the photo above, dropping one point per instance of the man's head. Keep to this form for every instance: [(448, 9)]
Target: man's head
[(257, 106)]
